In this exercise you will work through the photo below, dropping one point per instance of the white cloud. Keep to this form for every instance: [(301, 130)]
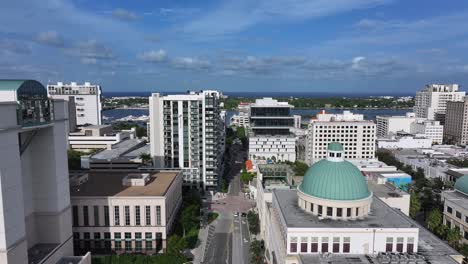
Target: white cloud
[(154, 56), (238, 15), (51, 38), (191, 63), (124, 14)]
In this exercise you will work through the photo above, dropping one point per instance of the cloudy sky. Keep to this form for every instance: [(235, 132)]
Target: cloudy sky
[(237, 45)]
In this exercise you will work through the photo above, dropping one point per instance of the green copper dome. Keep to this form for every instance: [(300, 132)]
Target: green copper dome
[(462, 184), (335, 180), (335, 146)]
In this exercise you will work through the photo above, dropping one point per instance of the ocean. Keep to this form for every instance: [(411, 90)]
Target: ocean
[(369, 114)]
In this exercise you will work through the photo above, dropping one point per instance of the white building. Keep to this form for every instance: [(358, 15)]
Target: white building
[(431, 101), (270, 135), (122, 211), (297, 121), (240, 120), (429, 129), (35, 212), (404, 142), (356, 134), (87, 99), (97, 137), (390, 125), (456, 207), (332, 217), (187, 132)]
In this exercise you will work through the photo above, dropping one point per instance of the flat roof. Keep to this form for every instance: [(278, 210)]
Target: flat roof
[(119, 149), (385, 190), (458, 198), (382, 216), (109, 183)]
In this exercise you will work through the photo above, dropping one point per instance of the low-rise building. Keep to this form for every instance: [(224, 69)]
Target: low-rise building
[(93, 137), (240, 120), (389, 125), (456, 207), (124, 211), (429, 129), (405, 141)]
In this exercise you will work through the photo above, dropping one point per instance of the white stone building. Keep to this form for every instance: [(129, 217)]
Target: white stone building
[(456, 207), (431, 101), (429, 129), (240, 120), (390, 125), (187, 132), (87, 98), (356, 134), (35, 212), (270, 130), (332, 217), (122, 211), (97, 137), (405, 142)]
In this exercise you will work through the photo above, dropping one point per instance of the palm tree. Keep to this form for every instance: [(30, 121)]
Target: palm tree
[(145, 158)]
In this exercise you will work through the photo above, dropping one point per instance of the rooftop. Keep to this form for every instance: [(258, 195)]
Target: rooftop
[(386, 190), (381, 216), (120, 149), (458, 198), (109, 183)]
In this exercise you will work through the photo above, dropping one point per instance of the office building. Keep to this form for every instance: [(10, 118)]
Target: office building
[(242, 118), (124, 211), (456, 123), (429, 129), (390, 125), (356, 134), (333, 217), (431, 101), (87, 98), (270, 134), (35, 213), (187, 133), (404, 141)]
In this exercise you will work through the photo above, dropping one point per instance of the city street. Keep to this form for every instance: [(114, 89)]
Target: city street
[(229, 239)]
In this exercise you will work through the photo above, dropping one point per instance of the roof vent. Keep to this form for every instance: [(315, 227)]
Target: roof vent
[(136, 179)]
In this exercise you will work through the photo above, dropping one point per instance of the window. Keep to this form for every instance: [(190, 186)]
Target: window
[(304, 244), (293, 245), (357, 211), (116, 216), (329, 211), (138, 241), (449, 209), (458, 214), (158, 215), (85, 216), (87, 242), (96, 215), (339, 212), (312, 207), (127, 215), (158, 241), (410, 245), (399, 245), (324, 244), (97, 240), (389, 244), (117, 242), (348, 212), (148, 241), (320, 210), (336, 245), (128, 241), (346, 244), (137, 215), (107, 241), (148, 215), (314, 245), (106, 216), (75, 216)]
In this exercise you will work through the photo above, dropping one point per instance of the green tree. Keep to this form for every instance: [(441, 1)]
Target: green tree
[(74, 159), (415, 205), (453, 237), (175, 245), (246, 177), (256, 252), (240, 133), (254, 222), (434, 220), (190, 217), (145, 157)]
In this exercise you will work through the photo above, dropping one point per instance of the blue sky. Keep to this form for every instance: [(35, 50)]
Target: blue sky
[(237, 45)]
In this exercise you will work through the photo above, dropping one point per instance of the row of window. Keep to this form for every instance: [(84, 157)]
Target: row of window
[(458, 214), (335, 126), (117, 221), (337, 245), (98, 242)]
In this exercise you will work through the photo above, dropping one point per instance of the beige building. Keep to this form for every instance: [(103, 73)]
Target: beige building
[(456, 121), (124, 212), (456, 207), (431, 101)]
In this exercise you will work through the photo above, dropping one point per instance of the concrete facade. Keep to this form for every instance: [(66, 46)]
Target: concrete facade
[(390, 125), (432, 99), (456, 120), (87, 99), (98, 137)]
